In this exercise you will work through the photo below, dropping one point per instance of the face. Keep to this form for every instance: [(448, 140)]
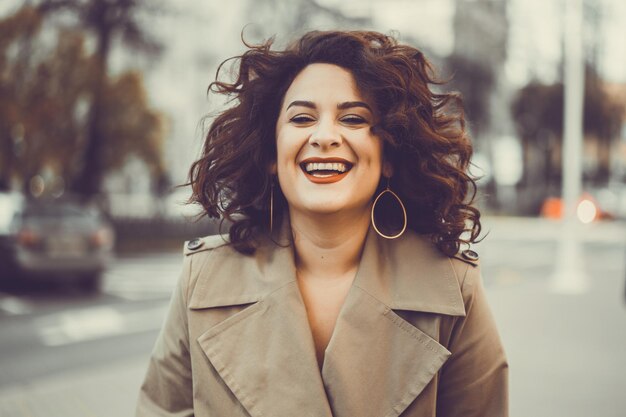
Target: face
[(328, 160)]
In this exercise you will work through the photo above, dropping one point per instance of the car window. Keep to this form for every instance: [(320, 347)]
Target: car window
[(9, 206), (55, 212)]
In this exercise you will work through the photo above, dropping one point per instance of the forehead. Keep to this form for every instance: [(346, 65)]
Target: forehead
[(319, 82)]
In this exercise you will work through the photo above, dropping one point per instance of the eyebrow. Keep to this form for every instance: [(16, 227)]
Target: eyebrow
[(341, 106)]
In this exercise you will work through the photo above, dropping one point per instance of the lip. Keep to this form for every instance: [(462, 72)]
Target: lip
[(325, 180)]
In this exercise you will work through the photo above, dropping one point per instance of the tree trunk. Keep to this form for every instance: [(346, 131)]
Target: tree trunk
[(6, 158), (90, 175)]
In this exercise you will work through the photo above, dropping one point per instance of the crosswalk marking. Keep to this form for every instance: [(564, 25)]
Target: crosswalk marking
[(152, 277), (14, 306), (94, 323)]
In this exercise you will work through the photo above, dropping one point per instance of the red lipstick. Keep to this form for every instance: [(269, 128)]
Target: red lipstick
[(329, 179)]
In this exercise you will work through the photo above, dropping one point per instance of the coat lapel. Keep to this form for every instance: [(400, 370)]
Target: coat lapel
[(265, 353), (376, 363)]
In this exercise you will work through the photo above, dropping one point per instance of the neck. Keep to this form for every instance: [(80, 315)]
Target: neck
[(328, 246)]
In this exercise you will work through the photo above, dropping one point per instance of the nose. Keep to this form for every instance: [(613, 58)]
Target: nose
[(325, 135)]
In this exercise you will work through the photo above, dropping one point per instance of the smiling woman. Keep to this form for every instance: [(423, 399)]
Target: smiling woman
[(341, 289), (421, 132)]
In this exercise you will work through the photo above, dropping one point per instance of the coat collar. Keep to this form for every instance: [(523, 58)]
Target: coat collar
[(375, 364), (407, 273)]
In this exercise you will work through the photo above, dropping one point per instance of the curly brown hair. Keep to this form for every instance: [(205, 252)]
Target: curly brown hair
[(423, 133)]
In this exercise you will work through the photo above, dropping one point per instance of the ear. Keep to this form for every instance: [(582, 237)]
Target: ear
[(272, 169), (387, 170)]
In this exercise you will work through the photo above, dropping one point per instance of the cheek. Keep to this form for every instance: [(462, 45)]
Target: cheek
[(287, 150), (372, 163), (372, 152), (282, 145)]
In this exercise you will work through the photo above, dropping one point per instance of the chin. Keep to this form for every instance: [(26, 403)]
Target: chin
[(329, 207), (321, 208)]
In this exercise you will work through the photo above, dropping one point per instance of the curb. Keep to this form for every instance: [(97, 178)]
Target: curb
[(102, 391)]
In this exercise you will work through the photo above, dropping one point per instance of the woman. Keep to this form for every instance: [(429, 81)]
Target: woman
[(341, 289)]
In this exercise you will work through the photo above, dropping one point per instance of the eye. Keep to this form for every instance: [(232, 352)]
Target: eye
[(353, 119), (302, 119)]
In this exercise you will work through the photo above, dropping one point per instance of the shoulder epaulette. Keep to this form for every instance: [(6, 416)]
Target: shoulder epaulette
[(468, 256), (204, 243)]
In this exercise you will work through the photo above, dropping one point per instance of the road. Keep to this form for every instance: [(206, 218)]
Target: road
[(55, 328), (567, 352)]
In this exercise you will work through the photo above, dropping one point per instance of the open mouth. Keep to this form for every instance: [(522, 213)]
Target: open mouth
[(324, 171)]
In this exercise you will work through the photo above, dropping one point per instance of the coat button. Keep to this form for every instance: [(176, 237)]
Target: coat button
[(195, 244), (470, 255)]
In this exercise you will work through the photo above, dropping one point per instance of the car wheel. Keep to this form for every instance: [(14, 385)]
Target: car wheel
[(91, 283), (9, 275)]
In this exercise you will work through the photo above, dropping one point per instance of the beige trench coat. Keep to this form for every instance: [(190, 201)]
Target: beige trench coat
[(414, 338)]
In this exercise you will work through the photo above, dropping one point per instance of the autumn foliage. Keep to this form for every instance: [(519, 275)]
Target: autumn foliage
[(47, 83)]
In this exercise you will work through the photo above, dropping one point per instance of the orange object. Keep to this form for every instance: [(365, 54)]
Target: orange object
[(552, 208)]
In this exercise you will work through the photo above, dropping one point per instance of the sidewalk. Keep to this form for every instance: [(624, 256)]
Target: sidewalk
[(566, 352), (107, 391)]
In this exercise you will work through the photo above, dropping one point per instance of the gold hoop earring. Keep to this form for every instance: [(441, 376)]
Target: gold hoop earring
[(272, 207), (387, 190)]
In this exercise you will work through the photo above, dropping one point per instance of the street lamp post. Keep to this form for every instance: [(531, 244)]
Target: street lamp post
[(569, 275)]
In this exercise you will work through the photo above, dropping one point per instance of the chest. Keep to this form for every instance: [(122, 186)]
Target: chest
[(323, 302)]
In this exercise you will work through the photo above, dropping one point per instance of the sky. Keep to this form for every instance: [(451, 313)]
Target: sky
[(535, 40), (615, 41)]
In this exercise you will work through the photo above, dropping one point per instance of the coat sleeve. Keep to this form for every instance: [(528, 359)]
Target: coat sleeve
[(474, 380), (167, 388)]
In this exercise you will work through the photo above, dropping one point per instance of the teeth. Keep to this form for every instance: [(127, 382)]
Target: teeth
[(326, 166)]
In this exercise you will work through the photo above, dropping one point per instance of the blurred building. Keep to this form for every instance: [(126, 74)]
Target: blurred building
[(617, 157), (481, 39)]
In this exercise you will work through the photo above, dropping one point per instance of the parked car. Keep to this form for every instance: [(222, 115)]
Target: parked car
[(59, 240), (11, 203)]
